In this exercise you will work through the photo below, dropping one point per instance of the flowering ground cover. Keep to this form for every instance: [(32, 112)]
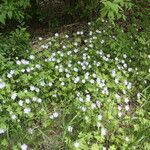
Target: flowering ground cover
[(87, 91)]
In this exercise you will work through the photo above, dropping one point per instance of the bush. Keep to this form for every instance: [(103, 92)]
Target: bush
[(15, 44), (88, 90), (12, 10)]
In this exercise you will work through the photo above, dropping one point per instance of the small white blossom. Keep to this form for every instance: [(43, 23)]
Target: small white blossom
[(20, 103), (42, 83), (27, 110), (56, 34), (2, 85), (13, 96), (13, 117), (1, 131), (70, 128), (55, 114), (103, 131), (24, 147), (127, 107), (126, 100), (76, 145), (27, 101), (40, 38), (31, 56), (99, 117)]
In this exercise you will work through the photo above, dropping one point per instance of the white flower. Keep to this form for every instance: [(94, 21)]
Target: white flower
[(76, 79), (117, 96), (34, 99), (88, 97), (76, 145), (30, 130), (75, 50), (13, 117), (50, 84), (113, 73), (40, 38), (66, 36), (28, 69), (127, 107), (103, 131), (94, 75), (80, 99), (56, 34), (20, 103), (55, 114), (127, 139), (93, 105), (9, 75), (32, 88), (12, 72), (1, 131), (38, 66), (83, 109), (22, 70), (70, 128), (83, 81), (92, 81), (2, 85), (27, 110), (119, 114), (39, 100), (98, 124), (27, 101), (42, 83), (124, 56), (13, 96), (138, 95), (18, 62), (63, 46), (31, 56), (116, 81), (76, 44), (67, 75), (126, 100), (119, 107), (37, 89), (99, 117), (24, 147), (75, 69), (102, 41), (62, 83), (129, 85)]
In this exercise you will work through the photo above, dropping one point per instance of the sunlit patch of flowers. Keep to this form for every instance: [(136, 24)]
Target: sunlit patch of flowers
[(87, 87)]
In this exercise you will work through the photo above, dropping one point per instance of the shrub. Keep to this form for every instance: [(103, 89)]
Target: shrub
[(12, 10), (88, 90), (15, 44)]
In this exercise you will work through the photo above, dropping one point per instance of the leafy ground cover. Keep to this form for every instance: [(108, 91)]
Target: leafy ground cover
[(88, 91)]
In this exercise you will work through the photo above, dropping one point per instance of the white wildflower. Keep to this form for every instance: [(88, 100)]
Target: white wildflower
[(27, 110), (24, 147), (13, 96), (76, 145), (55, 114), (103, 131), (70, 128), (20, 103), (2, 85), (1, 131)]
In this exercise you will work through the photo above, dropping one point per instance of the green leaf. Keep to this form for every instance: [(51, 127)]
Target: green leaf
[(2, 18), (95, 147), (10, 14)]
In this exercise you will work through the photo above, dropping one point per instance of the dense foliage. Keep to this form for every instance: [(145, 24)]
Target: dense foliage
[(88, 90)]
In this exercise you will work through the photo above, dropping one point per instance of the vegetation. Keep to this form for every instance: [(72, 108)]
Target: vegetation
[(87, 90)]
